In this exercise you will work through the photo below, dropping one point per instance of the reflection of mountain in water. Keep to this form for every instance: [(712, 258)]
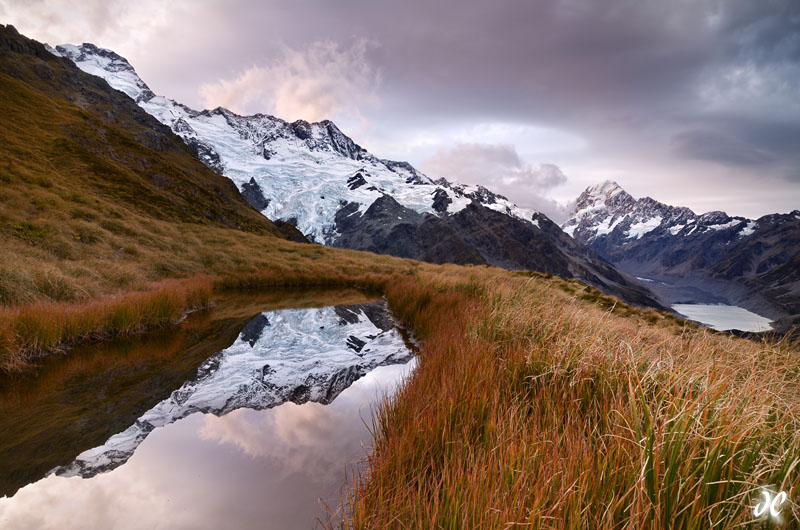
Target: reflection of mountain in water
[(294, 355)]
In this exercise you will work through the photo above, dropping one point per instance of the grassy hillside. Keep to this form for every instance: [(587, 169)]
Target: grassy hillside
[(95, 194), (534, 407), (538, 402)]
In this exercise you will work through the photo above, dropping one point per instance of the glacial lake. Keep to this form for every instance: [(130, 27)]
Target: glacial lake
[(724, 317), (252, 414)]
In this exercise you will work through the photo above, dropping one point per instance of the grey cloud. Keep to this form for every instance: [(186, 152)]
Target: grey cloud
[(781, 139), (746, 142), (719, 147), (323, 81), (500, 169)]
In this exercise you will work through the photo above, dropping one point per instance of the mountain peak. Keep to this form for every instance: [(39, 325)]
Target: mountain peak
[(607, 187), (601, 192), (280, 154), (605, 194), (94, 60)]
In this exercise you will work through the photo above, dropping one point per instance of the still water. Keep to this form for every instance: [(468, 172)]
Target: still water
[(724, 317), (238, 418)]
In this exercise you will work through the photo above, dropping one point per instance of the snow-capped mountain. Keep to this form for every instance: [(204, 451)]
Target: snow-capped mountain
[(296, 355), (606, 214), (314, 177), (300, 172), (711, 257)]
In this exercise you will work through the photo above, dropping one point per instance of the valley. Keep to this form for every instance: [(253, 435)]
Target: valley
[(690, 258)]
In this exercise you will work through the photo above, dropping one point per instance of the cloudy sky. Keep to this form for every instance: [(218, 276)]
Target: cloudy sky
[(692, 102)]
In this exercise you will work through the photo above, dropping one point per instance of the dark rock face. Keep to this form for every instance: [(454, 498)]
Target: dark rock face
[(514, 244), (302, 129), (356, 181), (206, 154), (480, 235), (485, 196), (253, 330), (341, 143), (252, 193), (767, 263), (509, 242), (441, 200), (355, 344), (387, 227), (347, 314), (11, 39), (404, 168)]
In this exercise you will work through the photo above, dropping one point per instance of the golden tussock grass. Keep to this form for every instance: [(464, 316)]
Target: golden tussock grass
[(532, 408), (37, 329), (34, 329)]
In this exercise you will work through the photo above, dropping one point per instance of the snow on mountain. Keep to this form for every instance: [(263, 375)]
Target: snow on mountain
[(299, 172), (606, 211), (100, 62), (296, 355)]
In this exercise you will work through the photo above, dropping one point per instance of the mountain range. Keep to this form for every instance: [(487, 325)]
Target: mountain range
[(686, 257), (315, 178), (316, 184)]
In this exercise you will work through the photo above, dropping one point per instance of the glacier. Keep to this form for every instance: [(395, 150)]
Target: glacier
[(305, 172)]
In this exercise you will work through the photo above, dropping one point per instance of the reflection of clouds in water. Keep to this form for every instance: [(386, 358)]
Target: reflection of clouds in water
[(311, 439), (282, 460), (297, 439), (112, 501)]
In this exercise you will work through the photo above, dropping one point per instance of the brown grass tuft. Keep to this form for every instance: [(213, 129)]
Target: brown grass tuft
[(30, 331)]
